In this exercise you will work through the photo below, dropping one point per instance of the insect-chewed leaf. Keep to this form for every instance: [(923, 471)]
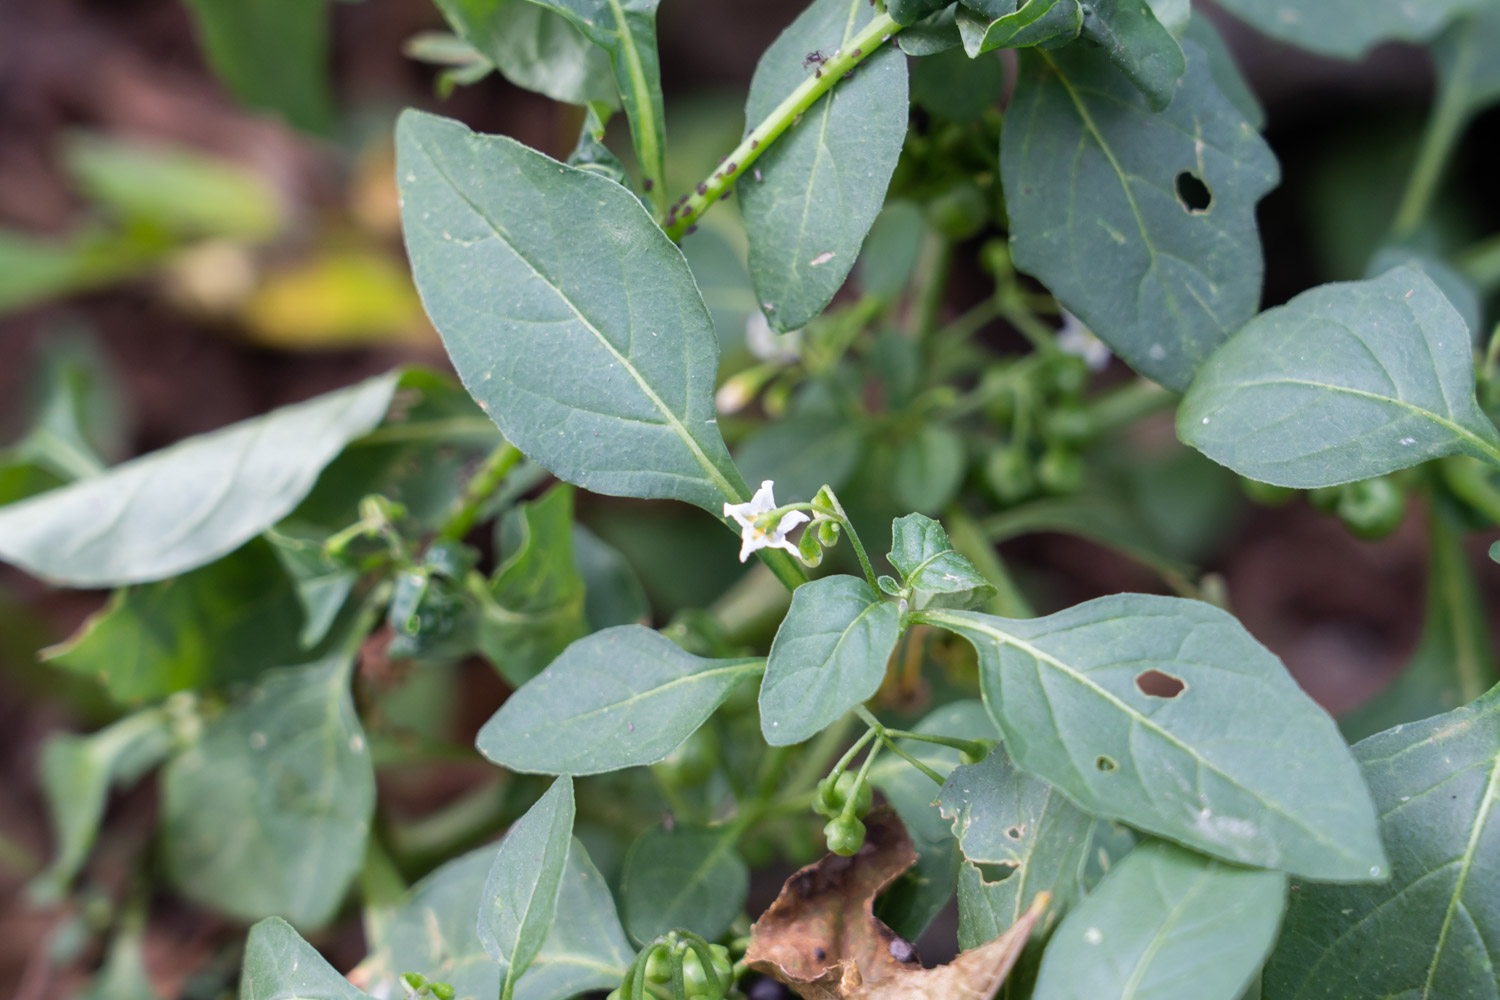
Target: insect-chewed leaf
[(1345, 382), (270, 812), (1143, 225), (596, 357), (279, 965), (432, 931), (824, 180), (522, 890), (1168, 924), (1348, 28), (1433, 931), (619, 698), (828, 656), (1166, 714), (188, 504)]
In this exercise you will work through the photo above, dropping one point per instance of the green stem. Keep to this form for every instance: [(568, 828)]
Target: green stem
[(642, 113), (1444, 128), (1492, 355), (859, 548), (1041, 336), (486, 479), (888, 738), (456, 427), (937, 261), (1129, 403), (974, 748), (929, 772), (703, 197)]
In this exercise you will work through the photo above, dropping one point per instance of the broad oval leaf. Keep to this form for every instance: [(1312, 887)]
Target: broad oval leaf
[(688, 877), (1344, 382), (1433, 931), (1349, 28), (271, 55), (432, 932), (1139, 44), (828, 656), (269, 813), (279, 965), (190, 503), (929, 565), (595, 357), (1105, 212), (1166, 924), (1226, 755), (619, 698), (824, 180), (521, 892)]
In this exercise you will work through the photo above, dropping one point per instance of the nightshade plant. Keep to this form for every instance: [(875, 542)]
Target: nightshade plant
[(1135, 782)]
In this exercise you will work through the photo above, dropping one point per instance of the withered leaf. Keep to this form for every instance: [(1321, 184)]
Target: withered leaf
[(822, 939)]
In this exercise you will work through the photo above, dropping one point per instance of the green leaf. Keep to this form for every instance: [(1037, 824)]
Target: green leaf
[(1168, 924), (1467, 57), (1090, 175), (76, 773), (1226, 755), (179, 191), (1345, 382), (931, 35), (801, 453), (824, 179), (619, 698), (223, 624), (524, 884), (279, 965), (273, 55), (1032, 836), (269, 813), (433, 932), (1433, 931), (685, 877), (533, 607), (322, 586), (590, 152), (188, 504), (626, 29), (828, 656), (929, 566), (986, 25), (1225, 71), (613, 594), (1139, 45), (1461, 295), (929, 469), (534, 47), (631, 412), (1349, 28), (1455, 660), (907, 12)]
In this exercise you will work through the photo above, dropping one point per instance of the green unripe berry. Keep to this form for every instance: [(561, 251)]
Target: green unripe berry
[(441, 990), (1266, 494), (833, 794), (1069, 374), (846, 835), (414, 979), (959, 212), (659, 965), (616, 994), (1373, 508), (1008, 471), (1068, 425), (1060, 470)]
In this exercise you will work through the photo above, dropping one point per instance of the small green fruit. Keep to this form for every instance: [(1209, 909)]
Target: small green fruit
[(846, 835)]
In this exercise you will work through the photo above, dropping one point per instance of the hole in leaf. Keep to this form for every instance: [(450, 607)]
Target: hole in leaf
[(1105, 764), (1159, 685), (1193, 193), (995, 874), (1015, 832)]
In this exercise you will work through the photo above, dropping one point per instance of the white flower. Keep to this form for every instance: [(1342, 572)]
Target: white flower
[(1076, 339), (751, 537)]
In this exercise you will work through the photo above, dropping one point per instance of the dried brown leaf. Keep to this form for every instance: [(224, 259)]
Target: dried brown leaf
[(821, 937)]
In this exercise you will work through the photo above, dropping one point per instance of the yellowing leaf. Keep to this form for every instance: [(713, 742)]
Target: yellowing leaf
[(336, 299)]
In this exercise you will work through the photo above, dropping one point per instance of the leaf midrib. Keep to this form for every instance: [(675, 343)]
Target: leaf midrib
[(740, 665), (1490, 450), (715, 476), (1481, 819), (1145, 721)]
